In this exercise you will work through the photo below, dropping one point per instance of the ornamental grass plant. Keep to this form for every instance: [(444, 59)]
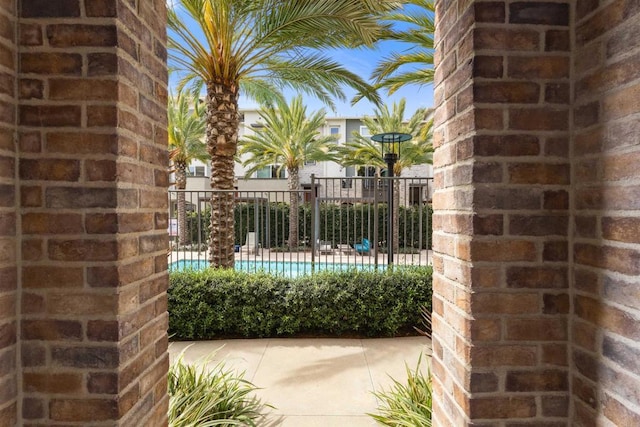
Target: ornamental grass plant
[(217, 397), (406, 404)]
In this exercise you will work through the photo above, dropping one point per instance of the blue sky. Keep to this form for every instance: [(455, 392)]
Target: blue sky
[(362, 62)]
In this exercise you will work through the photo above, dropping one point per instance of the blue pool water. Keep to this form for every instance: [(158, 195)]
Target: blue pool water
[(283, 268)]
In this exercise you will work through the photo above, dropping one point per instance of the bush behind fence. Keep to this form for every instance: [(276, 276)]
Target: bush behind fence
[(340, 224)]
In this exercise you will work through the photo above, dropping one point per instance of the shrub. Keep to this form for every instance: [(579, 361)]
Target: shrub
[(406, 404), (198, 397), (342, 224), (214, 303)]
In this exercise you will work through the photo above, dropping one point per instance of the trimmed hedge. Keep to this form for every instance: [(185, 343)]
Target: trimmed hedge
[(341, 224), (211, 303)]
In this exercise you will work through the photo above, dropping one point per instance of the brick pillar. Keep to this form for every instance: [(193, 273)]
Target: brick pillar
[(502, 175), (606, 171), (93, 158), (8, 210)]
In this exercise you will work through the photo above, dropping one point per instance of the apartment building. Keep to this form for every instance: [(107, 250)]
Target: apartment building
[(270, 179)]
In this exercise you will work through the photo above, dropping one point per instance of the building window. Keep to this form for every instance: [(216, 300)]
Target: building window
[(364, 131), (271, 172), (197, 171), (347, 183), (334, 130), (416, 195), (310, 163)]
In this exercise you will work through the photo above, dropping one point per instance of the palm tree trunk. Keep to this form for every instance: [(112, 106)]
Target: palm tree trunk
[(222, 142), (294, 203), (181, 184)]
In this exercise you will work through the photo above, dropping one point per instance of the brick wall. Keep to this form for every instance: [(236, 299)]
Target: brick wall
[(92, 170), (8, 229), (606, 172), (501, 298)]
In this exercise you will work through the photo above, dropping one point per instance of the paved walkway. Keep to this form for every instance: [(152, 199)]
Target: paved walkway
[(317, 381)]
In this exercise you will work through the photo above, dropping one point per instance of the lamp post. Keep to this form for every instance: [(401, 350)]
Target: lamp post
[(390, 157)]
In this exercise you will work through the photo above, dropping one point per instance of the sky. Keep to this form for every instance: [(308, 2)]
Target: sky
[(360, 62)]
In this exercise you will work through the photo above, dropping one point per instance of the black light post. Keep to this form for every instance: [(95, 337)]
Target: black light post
[(390, 157)]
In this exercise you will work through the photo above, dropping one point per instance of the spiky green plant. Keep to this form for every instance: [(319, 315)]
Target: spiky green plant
[(217, 397), (406, 405)]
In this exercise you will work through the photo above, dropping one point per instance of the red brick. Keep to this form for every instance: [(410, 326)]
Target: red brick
[(82, 89), (502, 251), (502, 407), (555, 304), (557, 40), (550, 67), (50, 115), (54, 383), (30, 35), (555, 406), (539, 119), (52, 330), (506, 39), (81, 143), (537, 329), (487, 66), (555, 251), (100, 64), (48, 223), (51, 63), (489, 12), (622, 260), (537, 277), (102, 116), (104, 357), (504, 303), (546, 380), (545, 13), (619, 413), (83, 410), (539, 173), (46, 9), (506, 92), (538, 225), (79, 304), (31, 89), (557, 93), (555, 354), (621, 291), (52, 277), (72, 35)]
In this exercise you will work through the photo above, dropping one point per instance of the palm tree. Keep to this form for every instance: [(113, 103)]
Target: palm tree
[(362, 151), (258, 47), (289, 138), (186, 132), (412, 27)]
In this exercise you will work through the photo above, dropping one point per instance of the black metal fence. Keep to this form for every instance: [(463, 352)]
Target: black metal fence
[(342, 223)]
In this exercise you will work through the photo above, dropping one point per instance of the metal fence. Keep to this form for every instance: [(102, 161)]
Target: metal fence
[(342, 223)]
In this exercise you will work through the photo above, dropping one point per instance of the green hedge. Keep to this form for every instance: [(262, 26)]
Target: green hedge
[(341, 224), (212, 303)]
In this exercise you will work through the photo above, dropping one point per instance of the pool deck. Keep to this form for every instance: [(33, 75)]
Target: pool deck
[(314, 382)]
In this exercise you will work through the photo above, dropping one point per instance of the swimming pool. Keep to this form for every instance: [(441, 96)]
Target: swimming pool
[(282, 268)]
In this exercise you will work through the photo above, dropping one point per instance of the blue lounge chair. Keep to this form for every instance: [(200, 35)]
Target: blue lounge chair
[(364, 248)]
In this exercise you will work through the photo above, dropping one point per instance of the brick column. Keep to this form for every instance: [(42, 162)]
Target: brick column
[(93, 158), (8, 210), (502, 174), (606, 171)]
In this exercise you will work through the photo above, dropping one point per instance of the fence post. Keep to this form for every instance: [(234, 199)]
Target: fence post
[(313, 220), (375, 221)]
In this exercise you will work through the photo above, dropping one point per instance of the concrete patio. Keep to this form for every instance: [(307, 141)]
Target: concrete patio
[(313, 382)]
